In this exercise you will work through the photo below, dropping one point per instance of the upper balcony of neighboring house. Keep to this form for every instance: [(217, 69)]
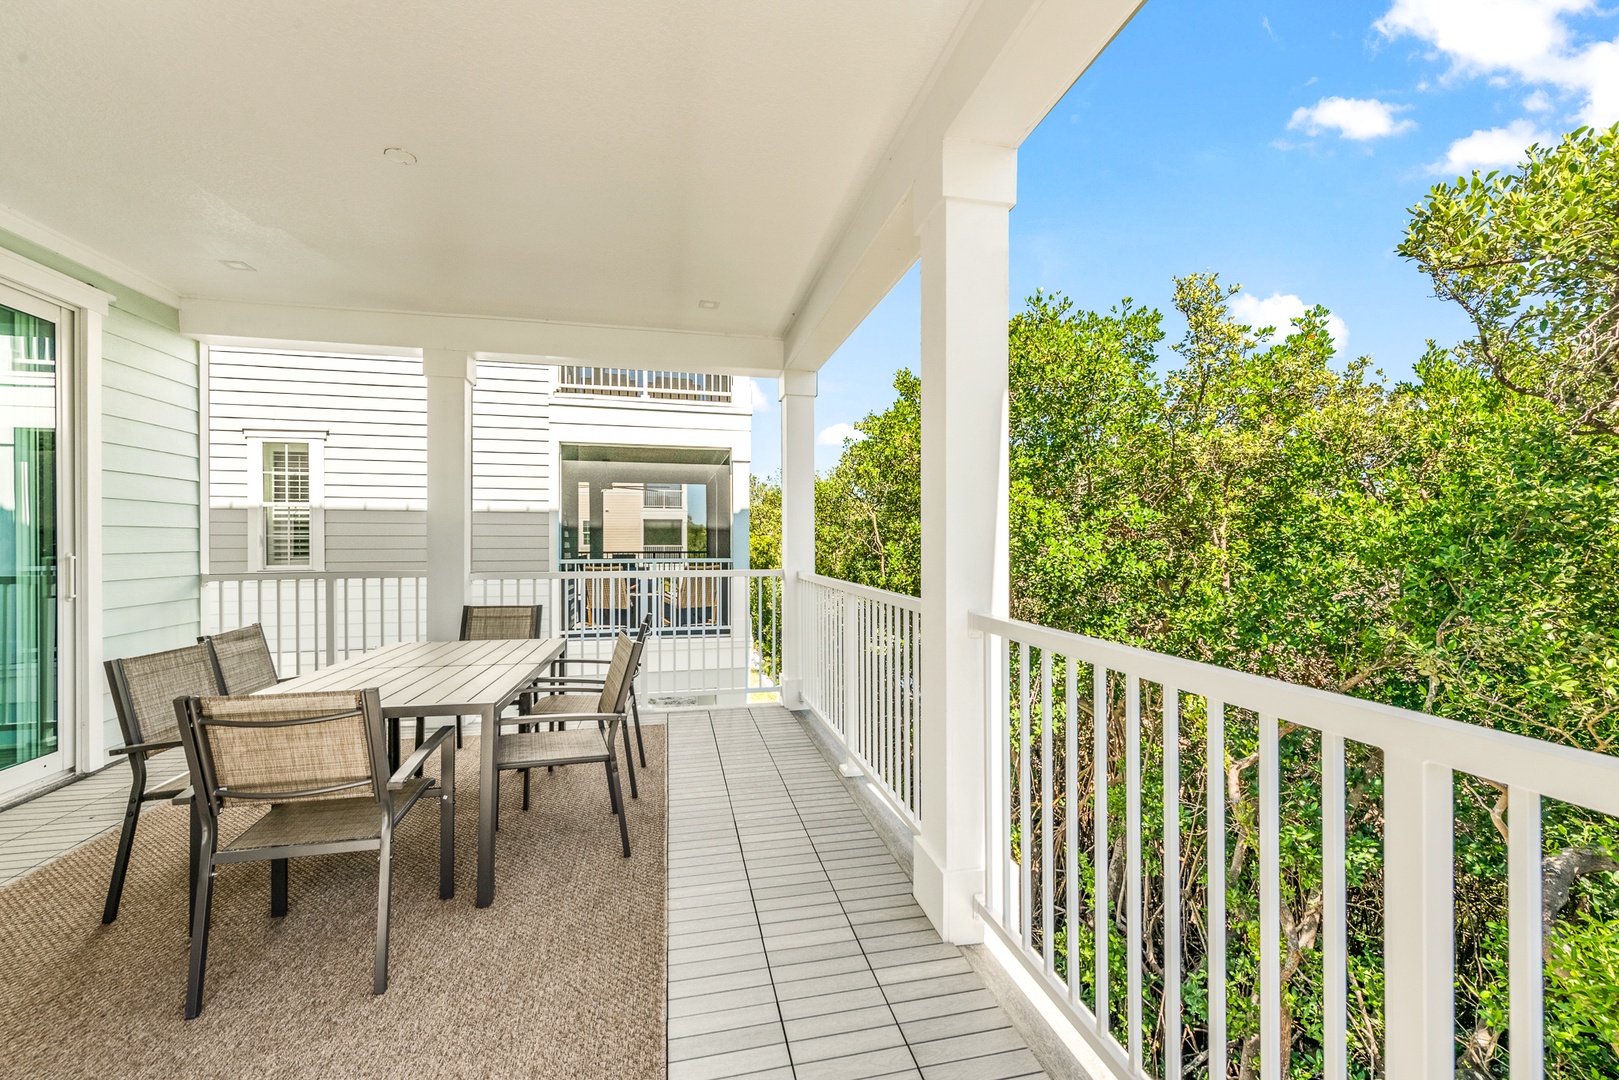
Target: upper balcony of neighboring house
[(624, 385)]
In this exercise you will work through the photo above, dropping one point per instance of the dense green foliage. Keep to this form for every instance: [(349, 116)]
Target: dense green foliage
[(1449, 544)]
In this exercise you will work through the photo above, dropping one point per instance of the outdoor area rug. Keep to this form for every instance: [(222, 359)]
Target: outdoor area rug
[(562, 977)]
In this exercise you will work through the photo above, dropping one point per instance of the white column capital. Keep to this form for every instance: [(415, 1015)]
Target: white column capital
[(450, 364), (796, 384), (969, 171)]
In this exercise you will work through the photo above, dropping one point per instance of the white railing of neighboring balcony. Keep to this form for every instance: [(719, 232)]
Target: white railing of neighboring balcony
[(713, 631), (862, 668), (692, 386), (1036, 674)]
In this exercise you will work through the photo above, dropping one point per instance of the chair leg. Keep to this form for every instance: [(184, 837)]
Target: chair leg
[(618, 802), (446, 821), (612, 787), (629, 762), (278, 888), (199, 927), (379, 978), (196, 860), (525, 789), (126, 839), (635, 711)]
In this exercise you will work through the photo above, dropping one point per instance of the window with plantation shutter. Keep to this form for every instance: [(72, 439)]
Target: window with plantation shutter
[(286, 504)]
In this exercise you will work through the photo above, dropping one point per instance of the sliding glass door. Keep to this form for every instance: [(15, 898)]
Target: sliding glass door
[(32, 743)]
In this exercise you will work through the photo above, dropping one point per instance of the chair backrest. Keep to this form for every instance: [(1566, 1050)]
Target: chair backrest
[(286, 747), (242, 660), (620, 675), (500, 622), (144, 689)]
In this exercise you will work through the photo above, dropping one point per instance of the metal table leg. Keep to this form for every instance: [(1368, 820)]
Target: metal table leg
[(488, 794)]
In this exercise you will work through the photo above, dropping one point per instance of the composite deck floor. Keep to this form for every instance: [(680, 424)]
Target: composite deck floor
[(795, 947)]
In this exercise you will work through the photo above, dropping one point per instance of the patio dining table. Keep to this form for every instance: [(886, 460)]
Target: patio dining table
[(446, 678)]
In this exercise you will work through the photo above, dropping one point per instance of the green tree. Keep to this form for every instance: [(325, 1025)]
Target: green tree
[(868, 507), (1532, 256)]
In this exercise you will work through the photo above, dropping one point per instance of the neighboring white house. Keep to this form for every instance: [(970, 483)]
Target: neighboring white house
[(318, 462)]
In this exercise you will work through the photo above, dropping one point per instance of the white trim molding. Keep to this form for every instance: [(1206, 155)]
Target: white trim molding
[(87, 257)]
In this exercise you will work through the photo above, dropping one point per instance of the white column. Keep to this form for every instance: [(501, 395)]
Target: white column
[(451, 374), (961, 207), (797, 393)]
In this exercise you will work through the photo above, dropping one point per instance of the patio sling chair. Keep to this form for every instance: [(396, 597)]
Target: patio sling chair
[(242, 660), (143, 693), (317, 760), (563, 680), (604, 712)]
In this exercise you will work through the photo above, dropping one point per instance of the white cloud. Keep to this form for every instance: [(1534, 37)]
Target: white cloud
[(1539, 101), (1279, 310), (1351, 118), (837, 433), (1529, 40), (1490, 148), (748, 390)]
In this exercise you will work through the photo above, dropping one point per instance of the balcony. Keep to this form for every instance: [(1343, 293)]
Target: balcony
[(877, 835)]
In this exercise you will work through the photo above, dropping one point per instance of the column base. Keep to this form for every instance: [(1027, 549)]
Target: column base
[(792, 693), (946, 896)]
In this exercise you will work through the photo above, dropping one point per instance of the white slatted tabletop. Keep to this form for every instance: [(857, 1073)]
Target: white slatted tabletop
[(447, 678)]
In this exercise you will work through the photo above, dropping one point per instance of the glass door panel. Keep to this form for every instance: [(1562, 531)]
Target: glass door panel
[(30, 740)]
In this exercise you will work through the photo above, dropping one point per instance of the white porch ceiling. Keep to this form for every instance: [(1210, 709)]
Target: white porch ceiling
[(598, 163)]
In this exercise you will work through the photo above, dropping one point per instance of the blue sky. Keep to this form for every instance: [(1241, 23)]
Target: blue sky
[(1280, 144)]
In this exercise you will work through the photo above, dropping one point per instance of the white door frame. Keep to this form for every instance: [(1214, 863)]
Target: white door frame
[(80, 309)]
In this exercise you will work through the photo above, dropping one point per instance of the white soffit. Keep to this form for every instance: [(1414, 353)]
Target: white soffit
[(610, 162)]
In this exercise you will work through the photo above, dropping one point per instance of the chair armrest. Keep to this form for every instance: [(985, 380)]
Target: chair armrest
[(579, 660), (183, 797), (144, 747), (418, 757), (568, 680)]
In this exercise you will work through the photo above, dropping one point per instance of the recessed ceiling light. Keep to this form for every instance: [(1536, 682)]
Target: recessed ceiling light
[(234, 264), (399, 155), (708, 304)]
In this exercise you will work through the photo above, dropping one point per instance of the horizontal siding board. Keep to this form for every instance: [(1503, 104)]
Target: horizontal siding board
[(150, 411)]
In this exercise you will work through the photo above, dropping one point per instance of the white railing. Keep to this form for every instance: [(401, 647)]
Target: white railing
[(313, 619), (862, 669), (690, 386), (1052, 875), (713, 631)]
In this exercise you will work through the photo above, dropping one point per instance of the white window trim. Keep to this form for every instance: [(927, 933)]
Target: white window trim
[(256, 438)]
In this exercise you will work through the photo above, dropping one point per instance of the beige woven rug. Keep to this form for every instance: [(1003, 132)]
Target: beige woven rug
[(562, 977)]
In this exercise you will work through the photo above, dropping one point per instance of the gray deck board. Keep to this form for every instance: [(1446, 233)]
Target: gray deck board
[(795, 947)]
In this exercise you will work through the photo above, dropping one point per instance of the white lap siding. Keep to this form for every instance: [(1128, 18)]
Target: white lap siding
[(371, 412)]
